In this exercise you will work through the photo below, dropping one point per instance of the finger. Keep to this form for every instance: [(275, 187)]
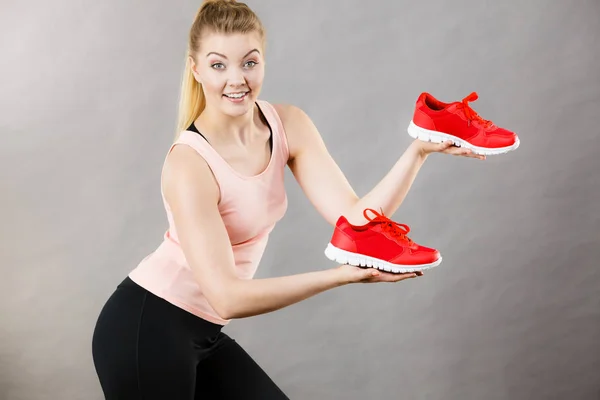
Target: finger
[(475, 155), (400, 277), (408, 276), (382, 276), (455, 150), (460, 151), (447, 144), (465, 152)]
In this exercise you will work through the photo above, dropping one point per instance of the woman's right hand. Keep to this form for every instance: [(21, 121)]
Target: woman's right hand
[(352, 274)]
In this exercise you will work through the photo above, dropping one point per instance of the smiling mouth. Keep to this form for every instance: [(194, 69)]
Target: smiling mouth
[(237, 95)]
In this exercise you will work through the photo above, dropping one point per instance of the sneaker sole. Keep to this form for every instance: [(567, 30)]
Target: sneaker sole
[(427, 135), (360, 260)]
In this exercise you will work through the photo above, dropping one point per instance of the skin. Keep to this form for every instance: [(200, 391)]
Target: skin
[(235, 63)]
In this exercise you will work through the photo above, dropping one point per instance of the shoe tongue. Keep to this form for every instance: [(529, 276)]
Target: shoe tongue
[(397, 232), (379, 222)]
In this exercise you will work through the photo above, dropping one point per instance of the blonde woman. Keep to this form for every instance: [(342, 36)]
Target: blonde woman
[(159, 335)]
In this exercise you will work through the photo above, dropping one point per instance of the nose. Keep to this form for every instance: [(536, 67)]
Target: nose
[(236, 78)]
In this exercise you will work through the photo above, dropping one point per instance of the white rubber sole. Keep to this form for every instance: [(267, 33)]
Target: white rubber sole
[(359, 260), (427, 135)]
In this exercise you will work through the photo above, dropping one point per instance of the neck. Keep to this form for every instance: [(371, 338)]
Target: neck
[(224, 127)]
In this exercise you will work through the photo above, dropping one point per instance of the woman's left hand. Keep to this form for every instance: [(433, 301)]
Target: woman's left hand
[(446, 147)]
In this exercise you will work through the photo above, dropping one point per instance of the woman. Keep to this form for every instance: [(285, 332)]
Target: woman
[(159, 335)]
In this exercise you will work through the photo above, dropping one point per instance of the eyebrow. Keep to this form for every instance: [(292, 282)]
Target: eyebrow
[(225, 57)]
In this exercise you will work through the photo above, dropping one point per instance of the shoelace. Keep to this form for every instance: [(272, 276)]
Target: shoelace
[(396, 229), (471, 114)]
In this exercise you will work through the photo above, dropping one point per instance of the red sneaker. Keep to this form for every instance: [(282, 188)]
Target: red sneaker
[(381, 243), (436, 121)]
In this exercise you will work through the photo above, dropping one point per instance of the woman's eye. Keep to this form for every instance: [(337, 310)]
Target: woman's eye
[(217, 66), (252, 63)]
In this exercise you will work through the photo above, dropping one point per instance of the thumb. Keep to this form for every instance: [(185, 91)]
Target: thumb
[(446, 144), (371, 272)]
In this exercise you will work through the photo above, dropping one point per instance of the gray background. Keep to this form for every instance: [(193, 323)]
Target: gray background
[(88, 95)]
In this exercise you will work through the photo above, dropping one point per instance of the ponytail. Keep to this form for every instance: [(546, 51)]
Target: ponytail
[(191, 99)]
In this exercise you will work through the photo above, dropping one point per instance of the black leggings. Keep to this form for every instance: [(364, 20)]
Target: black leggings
[(146, 348)]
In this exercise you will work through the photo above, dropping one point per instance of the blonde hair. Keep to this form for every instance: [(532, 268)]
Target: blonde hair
[(214, 16)]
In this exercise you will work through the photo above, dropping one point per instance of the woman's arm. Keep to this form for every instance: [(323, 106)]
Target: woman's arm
[(391, 191), (325, 184), (192, 194)]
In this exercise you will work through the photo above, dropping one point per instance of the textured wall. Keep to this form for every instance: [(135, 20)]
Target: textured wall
[(88, 93)]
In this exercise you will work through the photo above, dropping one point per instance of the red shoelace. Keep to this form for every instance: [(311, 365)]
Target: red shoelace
[(471, 114), (396, 229)]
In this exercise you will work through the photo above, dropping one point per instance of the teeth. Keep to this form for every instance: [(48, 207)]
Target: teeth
[(236, 95)]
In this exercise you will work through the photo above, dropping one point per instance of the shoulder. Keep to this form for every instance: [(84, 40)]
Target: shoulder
[(291, 116), (299, 128), (187, 174)]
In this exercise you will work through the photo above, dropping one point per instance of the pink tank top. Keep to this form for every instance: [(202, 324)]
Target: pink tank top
[(250, 208)]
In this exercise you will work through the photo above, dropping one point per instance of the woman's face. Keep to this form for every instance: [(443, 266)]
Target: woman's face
[(231, 71)]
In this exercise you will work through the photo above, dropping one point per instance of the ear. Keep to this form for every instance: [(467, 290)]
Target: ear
[(194, 69)]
